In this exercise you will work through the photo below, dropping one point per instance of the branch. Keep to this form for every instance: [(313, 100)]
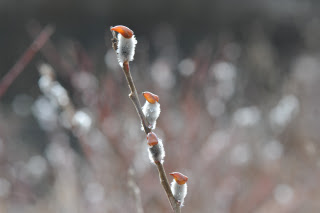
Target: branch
[(36, 45), (134, 97), (175, 205), (49, 51), (165, 184), (126, 57)]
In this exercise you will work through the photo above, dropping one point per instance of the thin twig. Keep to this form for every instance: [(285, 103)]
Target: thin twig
[(19, 66), (135, 189), (175, 205), (134, 97), (162, 174)]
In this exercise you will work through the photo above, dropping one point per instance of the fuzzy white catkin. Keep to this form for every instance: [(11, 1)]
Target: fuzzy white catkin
[(156, 152), (179, 191), (151, 112), (126, 48)]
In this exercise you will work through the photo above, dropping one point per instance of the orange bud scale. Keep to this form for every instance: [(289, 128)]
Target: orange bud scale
[(150, 97), (123, 30), (152, 139), (180, 178)]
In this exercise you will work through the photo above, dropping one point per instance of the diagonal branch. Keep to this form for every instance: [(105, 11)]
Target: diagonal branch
[(165, 184), (175, 205), (36, 45), (134, 97)]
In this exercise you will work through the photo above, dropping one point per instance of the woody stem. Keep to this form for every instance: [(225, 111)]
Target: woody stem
[(162, 174), (134, 97)]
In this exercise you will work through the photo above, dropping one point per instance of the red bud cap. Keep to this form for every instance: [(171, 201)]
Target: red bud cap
[(123, 30), (180, 178), (152, 139), (150, 97)]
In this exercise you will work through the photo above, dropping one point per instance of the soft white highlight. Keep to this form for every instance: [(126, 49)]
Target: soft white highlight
[(162, 74), (247, 116), (272, 150), (59, 93), (187, 67), (82, 121), (156, 152), (151, 112), (179, 191), (283, 194), (284, 112), (51, 88), (36, 167), (126, 48), (94, 193)]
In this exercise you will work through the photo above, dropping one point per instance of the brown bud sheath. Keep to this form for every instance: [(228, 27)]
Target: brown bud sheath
[(152, 139), (150, 97), (180, 178), (123, 30)]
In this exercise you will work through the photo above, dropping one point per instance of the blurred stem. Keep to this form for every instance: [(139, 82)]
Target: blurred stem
[(135, 189), (49, 51), (19, 66)]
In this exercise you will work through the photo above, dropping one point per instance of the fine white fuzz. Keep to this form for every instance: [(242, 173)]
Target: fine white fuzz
[(156, 152), (126, 48), (151, 112), (179, 191)]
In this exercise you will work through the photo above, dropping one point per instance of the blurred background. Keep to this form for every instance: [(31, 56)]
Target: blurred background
[(239, 93)]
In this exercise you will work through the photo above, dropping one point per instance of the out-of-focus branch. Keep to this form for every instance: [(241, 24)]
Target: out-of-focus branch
[(19, 66), (66, 105), (135, 190), (49, 51)]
